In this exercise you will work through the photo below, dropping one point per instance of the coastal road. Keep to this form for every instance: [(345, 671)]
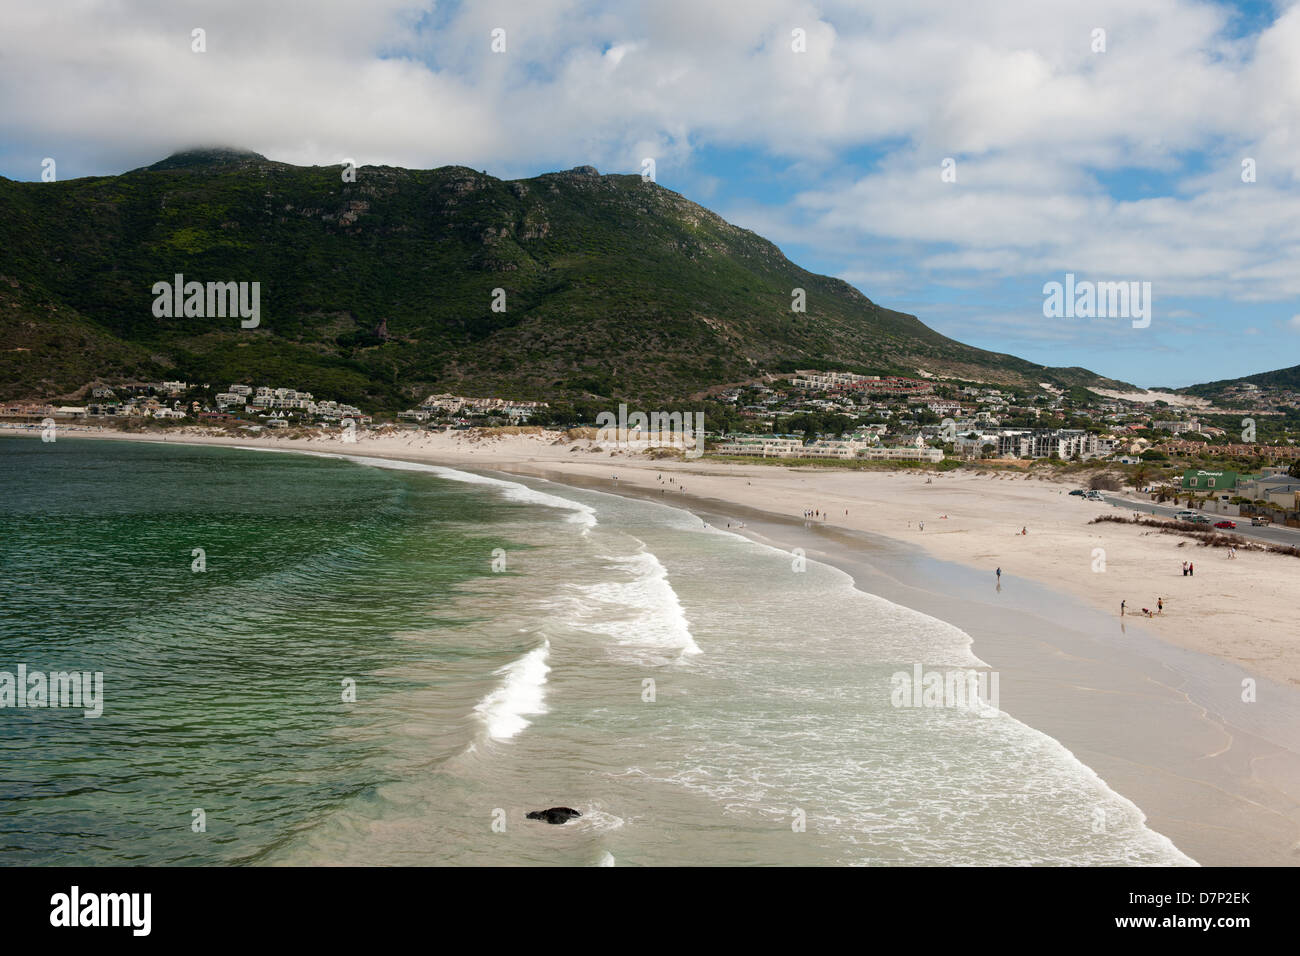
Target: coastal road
[(1270, 534)]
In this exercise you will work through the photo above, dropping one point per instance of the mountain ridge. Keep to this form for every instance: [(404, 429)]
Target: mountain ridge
[(382, 290), (1288, 378)]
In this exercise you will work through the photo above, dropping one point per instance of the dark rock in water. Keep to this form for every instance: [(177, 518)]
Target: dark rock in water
[(554, 815)]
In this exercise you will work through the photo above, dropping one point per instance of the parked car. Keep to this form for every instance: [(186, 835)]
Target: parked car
[(1261, 520), (1078, 492), (1225, 524), (1094, 496)]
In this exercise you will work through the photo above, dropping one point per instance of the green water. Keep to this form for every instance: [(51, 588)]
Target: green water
[(223, 688)]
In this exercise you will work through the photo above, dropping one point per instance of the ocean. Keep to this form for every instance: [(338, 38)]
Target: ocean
[(326, 659)]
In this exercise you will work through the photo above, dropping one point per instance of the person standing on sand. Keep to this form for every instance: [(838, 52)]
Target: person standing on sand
[(1184, 569), (1191, 569), (922, 525), (1160, 605), (999, 574), (1122, 604)]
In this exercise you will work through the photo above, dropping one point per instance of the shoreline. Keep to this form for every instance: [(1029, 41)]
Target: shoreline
[(1115, 709), (1162, 725)]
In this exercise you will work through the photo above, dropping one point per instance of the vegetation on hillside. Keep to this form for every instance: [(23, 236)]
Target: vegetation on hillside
[(380, 291)]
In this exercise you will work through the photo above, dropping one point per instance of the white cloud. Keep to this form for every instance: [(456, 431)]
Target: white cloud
[(1010, 88)]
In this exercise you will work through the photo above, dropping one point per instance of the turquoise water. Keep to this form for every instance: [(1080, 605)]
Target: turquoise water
[(693, 695), (222, 688)]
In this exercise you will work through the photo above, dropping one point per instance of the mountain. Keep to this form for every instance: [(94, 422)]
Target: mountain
[(1284, 378), (380, 291)]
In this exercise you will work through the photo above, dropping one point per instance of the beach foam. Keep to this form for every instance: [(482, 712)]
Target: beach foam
[(643, 611), (580, 514), (521, 694)]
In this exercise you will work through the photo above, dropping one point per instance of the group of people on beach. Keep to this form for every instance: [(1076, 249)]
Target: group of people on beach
[(1189, 570), (671, 481), (1146, 611)]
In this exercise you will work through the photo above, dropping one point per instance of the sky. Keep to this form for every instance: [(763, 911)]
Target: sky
[(950, 159)]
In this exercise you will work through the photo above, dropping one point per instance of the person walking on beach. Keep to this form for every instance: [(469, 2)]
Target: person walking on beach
[(1160, 605), (1122, 604), (1024, 531), (1184, 569), (999, 574), (1191, 569)]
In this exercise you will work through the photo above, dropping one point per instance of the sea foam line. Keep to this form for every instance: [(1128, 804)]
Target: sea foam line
[(521, 694), (1069, 762), (658, 620), (580, 513)]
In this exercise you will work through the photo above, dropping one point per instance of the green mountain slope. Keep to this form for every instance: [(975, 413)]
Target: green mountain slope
[(1285, 378), (380, 291)]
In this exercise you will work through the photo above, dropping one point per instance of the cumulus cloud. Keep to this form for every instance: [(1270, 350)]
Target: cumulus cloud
[(1046, 131)]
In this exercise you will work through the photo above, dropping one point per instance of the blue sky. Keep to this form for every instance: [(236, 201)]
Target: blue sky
[(1120, 163)]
